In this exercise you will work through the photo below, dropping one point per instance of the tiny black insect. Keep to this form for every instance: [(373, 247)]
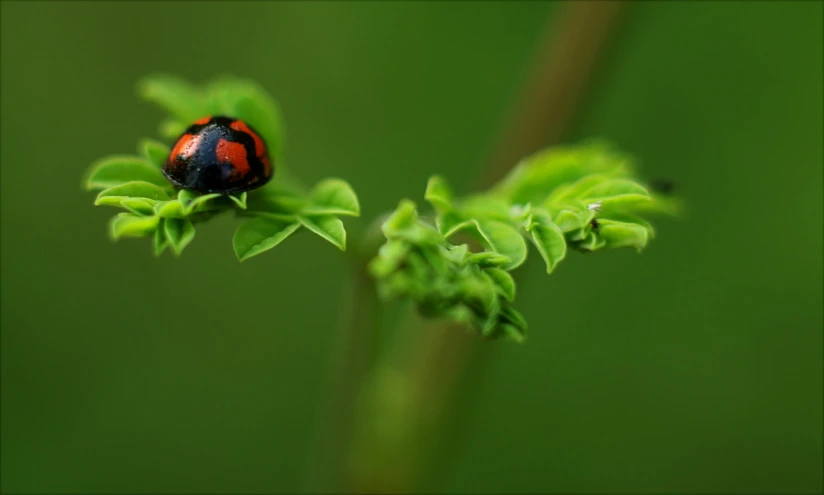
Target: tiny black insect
[(594, 224), (663, 186)]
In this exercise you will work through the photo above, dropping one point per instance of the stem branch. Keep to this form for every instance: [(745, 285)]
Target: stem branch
[(396, 410), (438, 354)]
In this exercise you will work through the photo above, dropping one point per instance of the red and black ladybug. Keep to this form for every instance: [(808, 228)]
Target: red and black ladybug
[(218, 155)]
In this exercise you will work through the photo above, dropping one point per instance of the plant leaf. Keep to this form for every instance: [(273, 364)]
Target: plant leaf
[(573, 191), (591, 242), (485, 207), (404, 217), (179, 233), (620, 234), (489, 259), (159, 241), (138, 206), (261, 234), (116, 170), (277, 197), (332, 197), (438, 194), (513, 333), (536, 176), (185, 102), (549, 239), (617, 194), (131, 225), (450, 222), (328, 227), (172, 129), (503, 281), (263, 115), (239, 199), (390, 255), (155, 151), (170, 209), (571, 220), (192, 202), (503, 239), (145, 191), (249, 102)]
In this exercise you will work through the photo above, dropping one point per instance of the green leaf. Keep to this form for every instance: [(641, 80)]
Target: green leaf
[(489, 259), (277, 196), (131, 225), (536, 176), (619, 234), (248, 101), (615, 187), (503, 281), (194, 202), (573, 191), (390, 256), (179, 233), (513, 333), (438, 194), (591, 242), (328, 227), (570, 220), (264, 117), (116, 170), (239, 199), (149, 193), (450, 222), (404, 217), (510, 315), (138, 206), (186, 196), (549, 239), (170, 209), (503, 239), (332, 197), (492, 311), (159, 241), (155, 151), (261, 234), (485, 207), (457, 254), (628, 218), (185, 102), (172, 129), (617, 194)]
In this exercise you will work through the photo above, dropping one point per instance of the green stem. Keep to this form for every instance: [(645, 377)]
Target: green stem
[(410, 390), (357, 342), (355, 347)]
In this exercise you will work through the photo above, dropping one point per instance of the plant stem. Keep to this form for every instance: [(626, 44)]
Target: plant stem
[(413, 384), (355, 346)]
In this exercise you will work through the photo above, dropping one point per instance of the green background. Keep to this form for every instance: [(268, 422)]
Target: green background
[(695, 367)]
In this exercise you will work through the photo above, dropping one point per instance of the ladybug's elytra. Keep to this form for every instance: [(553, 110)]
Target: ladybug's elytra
[(218, 155)]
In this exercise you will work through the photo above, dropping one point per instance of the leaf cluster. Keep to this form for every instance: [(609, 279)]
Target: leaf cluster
[(579, 197), (417, 261), (168, 215)]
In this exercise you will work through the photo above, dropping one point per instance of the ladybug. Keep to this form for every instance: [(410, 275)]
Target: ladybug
[(218, 155)]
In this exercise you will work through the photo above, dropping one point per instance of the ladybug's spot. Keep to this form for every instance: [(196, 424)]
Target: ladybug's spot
[(205, 120), (185, 147), (240, 126), (233, 154), (267, 166)]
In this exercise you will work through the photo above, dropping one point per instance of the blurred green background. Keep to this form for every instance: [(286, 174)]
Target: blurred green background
[(695, 367)]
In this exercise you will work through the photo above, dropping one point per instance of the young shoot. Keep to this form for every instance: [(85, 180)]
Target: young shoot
[(167, 214), (584, 198)]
